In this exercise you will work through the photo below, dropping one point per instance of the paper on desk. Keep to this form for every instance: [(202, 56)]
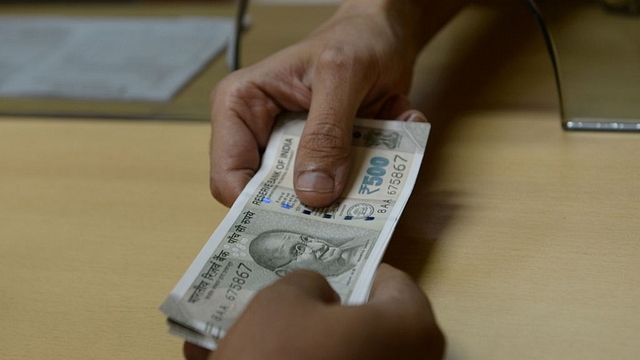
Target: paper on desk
[(144, 59)]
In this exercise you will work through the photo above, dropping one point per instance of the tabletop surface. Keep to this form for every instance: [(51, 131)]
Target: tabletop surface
[(525, 237)]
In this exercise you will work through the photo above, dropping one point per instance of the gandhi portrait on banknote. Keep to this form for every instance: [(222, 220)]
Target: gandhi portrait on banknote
[(285, 251)]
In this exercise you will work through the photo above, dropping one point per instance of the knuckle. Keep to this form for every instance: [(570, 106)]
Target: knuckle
[(215, 93), (326, 140), (216, 101), (220, 89), (231, 87), (336, 59), (223, 91), (343, 60)]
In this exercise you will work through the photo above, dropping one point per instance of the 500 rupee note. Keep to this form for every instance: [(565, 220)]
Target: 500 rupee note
[(268, 232)]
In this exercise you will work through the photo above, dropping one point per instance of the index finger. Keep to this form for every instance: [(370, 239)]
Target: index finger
[(241, 121)]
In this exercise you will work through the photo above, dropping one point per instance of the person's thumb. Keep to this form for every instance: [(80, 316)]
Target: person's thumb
[(322, 163)]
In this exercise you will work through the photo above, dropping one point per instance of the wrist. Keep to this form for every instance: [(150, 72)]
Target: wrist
[(412, 22), (396, 16)]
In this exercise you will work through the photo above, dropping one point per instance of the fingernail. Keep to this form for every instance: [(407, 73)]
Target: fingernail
[(315, 181), (417, 117)]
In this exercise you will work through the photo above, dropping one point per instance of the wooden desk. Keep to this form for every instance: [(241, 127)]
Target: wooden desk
[(524, 236)]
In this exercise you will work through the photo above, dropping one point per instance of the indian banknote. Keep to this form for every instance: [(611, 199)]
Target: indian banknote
[(268, 232)]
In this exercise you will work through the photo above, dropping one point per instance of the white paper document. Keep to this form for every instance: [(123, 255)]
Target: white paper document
[(122, 59)]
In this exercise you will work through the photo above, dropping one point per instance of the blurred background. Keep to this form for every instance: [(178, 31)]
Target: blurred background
[(25, 42)]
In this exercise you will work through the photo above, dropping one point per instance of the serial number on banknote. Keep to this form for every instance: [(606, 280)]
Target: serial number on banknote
[(242, 274), (238, 281)]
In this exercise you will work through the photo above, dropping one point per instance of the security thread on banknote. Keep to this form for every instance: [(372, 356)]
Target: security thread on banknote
[(268, 232)]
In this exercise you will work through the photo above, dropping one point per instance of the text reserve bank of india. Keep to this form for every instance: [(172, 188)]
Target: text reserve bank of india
[(268, 232)]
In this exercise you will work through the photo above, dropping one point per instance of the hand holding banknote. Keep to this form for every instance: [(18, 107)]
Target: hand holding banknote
[(269, 233), (300, 317), (357, 64)]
